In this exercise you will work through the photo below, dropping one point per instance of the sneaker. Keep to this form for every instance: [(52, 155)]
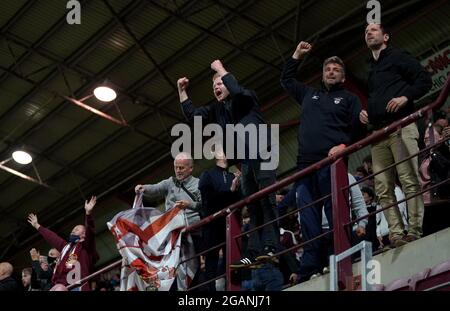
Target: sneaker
[(243, 263)]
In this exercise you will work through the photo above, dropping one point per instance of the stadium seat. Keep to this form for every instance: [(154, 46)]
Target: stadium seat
[(439, 274), (403, 284), (378, 287), (416, 278)]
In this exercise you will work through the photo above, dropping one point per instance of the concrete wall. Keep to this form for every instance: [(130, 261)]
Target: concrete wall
[(397, 263)]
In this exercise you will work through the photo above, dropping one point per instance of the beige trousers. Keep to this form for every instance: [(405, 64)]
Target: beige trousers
[(397, 146)]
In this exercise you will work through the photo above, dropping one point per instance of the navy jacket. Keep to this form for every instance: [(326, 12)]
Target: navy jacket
[(9, 284), (328, 118), (214, 186), (396, 73), (241, 107)]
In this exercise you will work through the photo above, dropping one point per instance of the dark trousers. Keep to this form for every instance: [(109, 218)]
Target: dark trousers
[(371, 228), (254, 179), (214, 234), (310, 189), (267, 278)]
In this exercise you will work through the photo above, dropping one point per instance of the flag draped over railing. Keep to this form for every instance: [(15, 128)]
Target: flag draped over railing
[(152, 245)]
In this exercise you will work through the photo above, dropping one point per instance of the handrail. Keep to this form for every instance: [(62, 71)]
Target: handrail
[(406, 198), (310, 169), (93, 275), (399, 201), (439, 142), (343, 153)]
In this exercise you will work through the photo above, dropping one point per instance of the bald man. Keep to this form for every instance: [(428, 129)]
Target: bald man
[(7, 283), (78, 252), (180, 191)]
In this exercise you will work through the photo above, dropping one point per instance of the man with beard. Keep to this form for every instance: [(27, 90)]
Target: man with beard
[(328, 123), (395, 80)]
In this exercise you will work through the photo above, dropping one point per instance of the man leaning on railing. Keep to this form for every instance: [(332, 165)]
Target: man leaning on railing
[(329, 122)]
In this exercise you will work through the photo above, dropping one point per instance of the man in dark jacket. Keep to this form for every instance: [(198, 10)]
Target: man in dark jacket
[(237, 105), (7, 282), (395, 80), (43, 267), (327, 125), (219, 188), (78, 254)]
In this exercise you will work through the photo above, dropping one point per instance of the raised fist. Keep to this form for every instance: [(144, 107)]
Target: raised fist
[(217, 65), (302, 48), (182, 84)]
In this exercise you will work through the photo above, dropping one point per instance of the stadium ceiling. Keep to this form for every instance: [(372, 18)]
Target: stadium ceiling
[(142, 47)]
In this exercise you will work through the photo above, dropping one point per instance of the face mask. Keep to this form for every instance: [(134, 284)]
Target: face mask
[(73, 238), (51, 260)]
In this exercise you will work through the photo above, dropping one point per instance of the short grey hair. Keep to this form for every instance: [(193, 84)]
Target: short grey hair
[(334, 60), (185, 156)]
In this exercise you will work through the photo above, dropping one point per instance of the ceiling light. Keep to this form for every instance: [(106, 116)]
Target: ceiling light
[(22, 157), (105, 93)]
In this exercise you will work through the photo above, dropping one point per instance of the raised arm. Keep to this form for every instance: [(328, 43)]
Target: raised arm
[(52, 238), (89, 241), (288, 75), (187, 106), (158, 190)]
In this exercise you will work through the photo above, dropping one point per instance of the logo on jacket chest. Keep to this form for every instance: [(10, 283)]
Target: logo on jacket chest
[(337, 100)]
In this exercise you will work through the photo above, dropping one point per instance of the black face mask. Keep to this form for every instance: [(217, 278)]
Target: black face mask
[(51, 260), (73, 238)]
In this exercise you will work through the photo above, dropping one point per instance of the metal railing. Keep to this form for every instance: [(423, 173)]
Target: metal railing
[(365, 248), (340, 209)]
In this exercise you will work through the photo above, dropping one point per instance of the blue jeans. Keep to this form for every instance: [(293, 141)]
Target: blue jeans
[(247, 285), (310, 189), (267, 278)]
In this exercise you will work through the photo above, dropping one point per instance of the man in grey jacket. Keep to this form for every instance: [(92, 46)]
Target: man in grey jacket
[(180, 191)]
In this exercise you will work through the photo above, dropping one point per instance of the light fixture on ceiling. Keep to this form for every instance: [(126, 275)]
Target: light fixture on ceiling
[(105, 92), (22, 157)]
